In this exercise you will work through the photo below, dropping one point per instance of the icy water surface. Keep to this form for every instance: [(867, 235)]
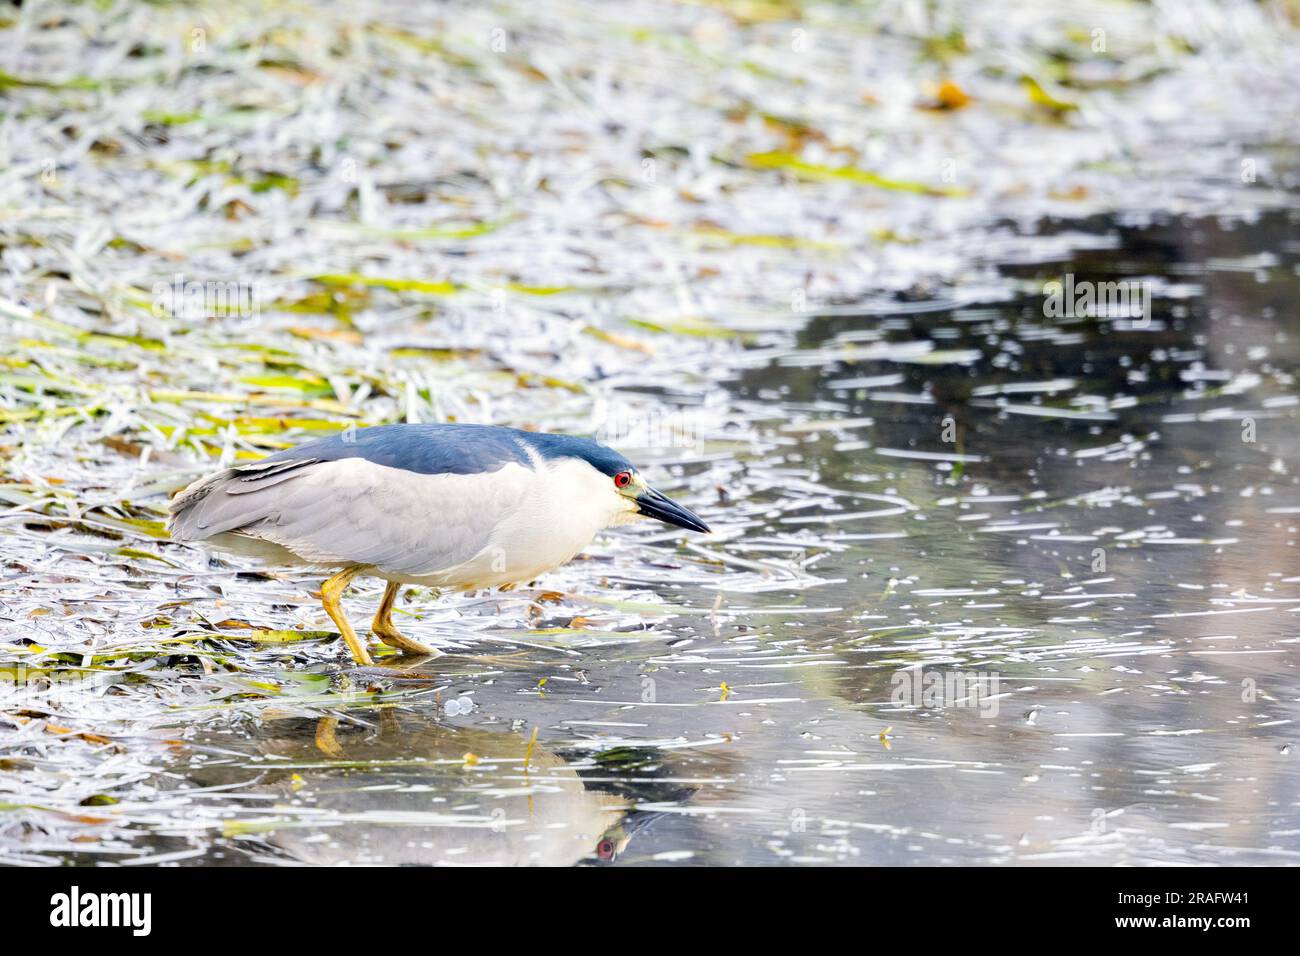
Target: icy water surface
[(1100, 565)]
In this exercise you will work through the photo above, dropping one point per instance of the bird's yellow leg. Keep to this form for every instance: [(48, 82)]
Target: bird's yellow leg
[(330, 592), (387, 631)]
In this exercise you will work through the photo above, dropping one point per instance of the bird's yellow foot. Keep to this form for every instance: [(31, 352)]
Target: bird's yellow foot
[(387, 631), (330, 593), (395, 638)]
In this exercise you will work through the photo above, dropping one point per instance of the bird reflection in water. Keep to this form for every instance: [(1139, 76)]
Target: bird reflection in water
[(407, 792)]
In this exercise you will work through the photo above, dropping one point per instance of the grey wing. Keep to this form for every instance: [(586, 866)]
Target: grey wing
[(353, 511), (215, 504)]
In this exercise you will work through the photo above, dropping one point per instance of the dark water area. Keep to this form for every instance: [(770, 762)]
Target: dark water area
[(1055, 621)]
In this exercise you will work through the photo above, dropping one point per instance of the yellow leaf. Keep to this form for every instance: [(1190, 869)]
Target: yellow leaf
[(951, 96), (822, 173), (1040, 96)]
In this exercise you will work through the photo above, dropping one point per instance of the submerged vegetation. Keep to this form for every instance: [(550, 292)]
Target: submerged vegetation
[(766, 249)]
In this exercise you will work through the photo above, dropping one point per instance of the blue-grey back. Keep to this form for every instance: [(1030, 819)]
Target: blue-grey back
[(432, 449)]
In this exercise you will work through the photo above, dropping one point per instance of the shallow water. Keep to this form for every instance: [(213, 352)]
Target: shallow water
[(1108, 566)]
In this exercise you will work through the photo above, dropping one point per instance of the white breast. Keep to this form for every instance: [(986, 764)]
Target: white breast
[(564, 505)]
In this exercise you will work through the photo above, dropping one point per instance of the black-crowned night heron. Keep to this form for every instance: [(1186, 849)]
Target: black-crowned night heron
[(447, 506)]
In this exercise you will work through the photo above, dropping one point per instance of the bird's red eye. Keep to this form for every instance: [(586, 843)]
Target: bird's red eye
[(623, 479), (606, 850)]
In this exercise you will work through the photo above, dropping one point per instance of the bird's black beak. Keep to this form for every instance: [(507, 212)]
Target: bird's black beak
[(655, 505)]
